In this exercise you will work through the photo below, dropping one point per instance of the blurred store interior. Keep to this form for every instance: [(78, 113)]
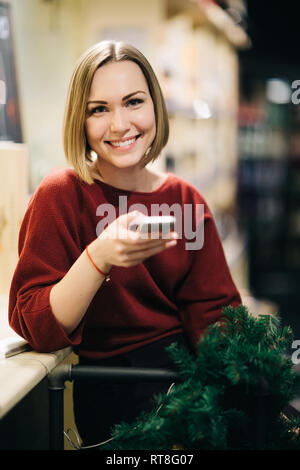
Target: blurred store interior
[(229, 72)]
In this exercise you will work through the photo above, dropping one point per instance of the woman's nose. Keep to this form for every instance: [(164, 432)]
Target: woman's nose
[(119, 121)]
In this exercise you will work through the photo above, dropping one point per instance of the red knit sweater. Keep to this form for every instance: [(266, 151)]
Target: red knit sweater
[(178, 289)]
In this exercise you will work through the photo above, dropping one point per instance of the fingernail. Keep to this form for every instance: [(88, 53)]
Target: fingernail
[(172, 243)]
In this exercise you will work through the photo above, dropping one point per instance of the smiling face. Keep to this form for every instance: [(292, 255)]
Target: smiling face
[(120, 119)]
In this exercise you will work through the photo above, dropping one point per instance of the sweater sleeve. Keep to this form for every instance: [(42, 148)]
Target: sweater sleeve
[(208, 286), (48, 245)]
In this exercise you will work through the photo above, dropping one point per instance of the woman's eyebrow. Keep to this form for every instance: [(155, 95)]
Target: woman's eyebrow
[(132, 94), (123, 99)]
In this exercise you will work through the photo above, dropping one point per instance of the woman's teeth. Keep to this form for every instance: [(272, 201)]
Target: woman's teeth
[(125, 143)]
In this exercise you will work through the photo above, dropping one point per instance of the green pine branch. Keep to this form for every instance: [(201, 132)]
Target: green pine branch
[(215, 403)]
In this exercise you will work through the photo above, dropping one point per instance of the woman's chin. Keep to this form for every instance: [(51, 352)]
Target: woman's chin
[(126, 161)]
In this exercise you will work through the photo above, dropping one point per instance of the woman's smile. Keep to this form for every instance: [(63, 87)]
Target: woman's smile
[(123, 144)]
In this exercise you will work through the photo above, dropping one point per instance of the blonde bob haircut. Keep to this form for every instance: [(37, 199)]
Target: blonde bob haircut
[(76, 147)]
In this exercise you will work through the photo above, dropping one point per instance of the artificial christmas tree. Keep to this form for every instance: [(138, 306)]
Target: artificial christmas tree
[(232, 394)]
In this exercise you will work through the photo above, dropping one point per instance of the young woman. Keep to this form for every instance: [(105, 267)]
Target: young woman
[(76, 235)]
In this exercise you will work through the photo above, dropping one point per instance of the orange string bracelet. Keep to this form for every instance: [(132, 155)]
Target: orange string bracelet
[(107, 277)]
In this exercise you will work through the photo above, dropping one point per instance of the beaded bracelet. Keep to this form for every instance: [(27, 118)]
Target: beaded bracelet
[(107, 276)]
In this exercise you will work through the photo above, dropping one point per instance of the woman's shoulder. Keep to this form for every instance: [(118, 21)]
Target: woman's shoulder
[(60, 178), (57, 187)]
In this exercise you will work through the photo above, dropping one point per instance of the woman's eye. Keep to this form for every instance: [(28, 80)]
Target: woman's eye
[(97, 110), (134, 101)]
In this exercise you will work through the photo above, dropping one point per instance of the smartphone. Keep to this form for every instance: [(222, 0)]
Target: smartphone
[(157, 224)]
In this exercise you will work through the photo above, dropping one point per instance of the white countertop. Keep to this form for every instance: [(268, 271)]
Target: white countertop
[(21, 372)]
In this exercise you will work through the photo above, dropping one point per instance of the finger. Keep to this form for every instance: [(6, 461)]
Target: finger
[(138, 256), (139, 259), (139, 245), (131, 218), (138, 239), (123, 223)]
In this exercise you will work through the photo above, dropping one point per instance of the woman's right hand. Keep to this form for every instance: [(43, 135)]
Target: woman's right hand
[(117, 245)]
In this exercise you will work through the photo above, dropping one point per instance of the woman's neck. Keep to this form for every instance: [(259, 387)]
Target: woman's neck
[(130, 179)]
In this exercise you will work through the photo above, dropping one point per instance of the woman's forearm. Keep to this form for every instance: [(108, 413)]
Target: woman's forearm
[(72, 295)]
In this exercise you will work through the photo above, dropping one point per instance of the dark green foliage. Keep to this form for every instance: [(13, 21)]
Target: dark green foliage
[(216, 402)]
